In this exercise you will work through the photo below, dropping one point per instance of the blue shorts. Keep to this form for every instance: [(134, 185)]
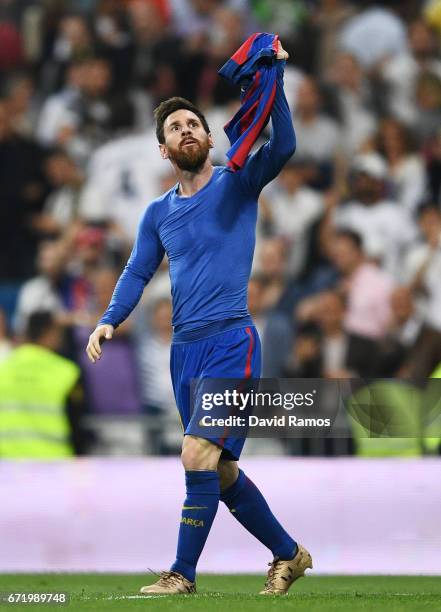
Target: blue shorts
[(234, 353)]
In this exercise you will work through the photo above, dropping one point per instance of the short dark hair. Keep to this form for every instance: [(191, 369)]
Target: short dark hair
[(426, 207), (39, 323), (168, 107), (352, 236)]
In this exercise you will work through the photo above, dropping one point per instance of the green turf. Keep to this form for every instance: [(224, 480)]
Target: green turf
[(314, 593)]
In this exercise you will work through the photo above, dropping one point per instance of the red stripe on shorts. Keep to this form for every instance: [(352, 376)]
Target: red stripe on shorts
[(249, 354)]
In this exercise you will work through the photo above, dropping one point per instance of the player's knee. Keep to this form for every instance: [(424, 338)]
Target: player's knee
[(228, 472), (190, 458), (199, 454)]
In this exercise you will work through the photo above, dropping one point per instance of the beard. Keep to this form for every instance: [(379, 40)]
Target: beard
[(190, 159)]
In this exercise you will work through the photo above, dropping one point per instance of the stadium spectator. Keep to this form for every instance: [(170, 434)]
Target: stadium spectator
[(22, 193), (365, 285), (194, 18), (19, 94), (330, 316), (60, 210), (429, 223), (50, 290), (225, 36), (329, 19), (386, 228), (272, 265), (318, 136), (293, 210), (123, 177), (73, 41), (151, 39), (62, 287), (305, 360), (367, 290), (350, 88), (78, 118), (36, 384), (406, 168), (114, 39), (401, 72), (88, 245), (421, 265), (432, 14), (324, 313), (57, 115), (373, 35), (403, 329), (405, 322)]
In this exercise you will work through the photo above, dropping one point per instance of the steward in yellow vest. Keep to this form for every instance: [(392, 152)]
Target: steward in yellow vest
[(394, 418), (35, 384)]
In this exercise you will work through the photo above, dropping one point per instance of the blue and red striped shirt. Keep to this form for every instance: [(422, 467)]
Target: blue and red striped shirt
[(254, 67)]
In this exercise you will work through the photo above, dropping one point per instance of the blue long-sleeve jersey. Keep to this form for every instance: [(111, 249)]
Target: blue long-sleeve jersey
[(209, 239)]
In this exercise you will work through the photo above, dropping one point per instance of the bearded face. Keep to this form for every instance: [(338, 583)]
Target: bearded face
[(190, 154), (187, 144)]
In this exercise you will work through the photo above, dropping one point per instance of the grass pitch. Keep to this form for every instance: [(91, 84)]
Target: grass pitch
[(312, 594)]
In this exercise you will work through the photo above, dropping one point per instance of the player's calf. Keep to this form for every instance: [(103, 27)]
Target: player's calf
[(228, 473)]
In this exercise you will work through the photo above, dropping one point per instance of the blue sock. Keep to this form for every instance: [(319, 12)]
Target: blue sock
[(248, 506), (198, 514)]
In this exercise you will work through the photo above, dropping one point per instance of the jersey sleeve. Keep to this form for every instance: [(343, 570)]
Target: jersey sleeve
[(265, 164), (144, 260)]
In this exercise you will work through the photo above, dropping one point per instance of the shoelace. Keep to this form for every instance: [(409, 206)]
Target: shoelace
[(169, 579), (272, 575), (166, 578), (275, 572)]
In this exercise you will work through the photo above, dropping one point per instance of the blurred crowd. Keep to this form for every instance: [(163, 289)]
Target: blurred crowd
[(347, 272)]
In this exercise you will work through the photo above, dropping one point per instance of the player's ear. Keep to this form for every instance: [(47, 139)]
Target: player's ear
[(163, 151), (210, 141)]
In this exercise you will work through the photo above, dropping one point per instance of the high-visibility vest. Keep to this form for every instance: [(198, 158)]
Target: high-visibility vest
[(34, 386), (432, 14), (433, 443), (382, 410), (437, 372)]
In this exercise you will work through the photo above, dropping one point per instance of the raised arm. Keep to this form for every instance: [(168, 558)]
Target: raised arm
[(266, 163), (146, 256)]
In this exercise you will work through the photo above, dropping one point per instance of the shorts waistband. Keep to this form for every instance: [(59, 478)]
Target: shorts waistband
[(216, 327)]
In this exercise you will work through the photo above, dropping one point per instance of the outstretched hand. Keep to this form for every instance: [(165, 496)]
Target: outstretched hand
[(281, 53), (96, 338)]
